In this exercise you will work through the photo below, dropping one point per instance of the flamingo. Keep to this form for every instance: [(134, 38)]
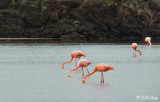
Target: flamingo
[(148, 40), (75, 54), (101, 68), (134, 46), (81, 63)]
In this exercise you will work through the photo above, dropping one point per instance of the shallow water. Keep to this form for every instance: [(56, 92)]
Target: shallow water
[(33, 73)]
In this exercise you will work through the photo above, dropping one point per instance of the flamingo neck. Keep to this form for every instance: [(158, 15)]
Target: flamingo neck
[(67, 62), (88, 75), (72, 70), (139, 52)]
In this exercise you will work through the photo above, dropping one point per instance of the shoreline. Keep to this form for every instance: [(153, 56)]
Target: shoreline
[(76, 40)]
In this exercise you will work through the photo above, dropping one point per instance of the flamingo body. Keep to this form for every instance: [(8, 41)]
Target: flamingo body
[(101, 68), (75, 54), (148, 40), (134, 46), (81, 63)]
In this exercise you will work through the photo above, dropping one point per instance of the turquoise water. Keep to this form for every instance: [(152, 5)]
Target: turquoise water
[(33, 73)]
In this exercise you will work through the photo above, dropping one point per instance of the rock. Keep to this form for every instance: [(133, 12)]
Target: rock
[(107, 19), (4, 4)]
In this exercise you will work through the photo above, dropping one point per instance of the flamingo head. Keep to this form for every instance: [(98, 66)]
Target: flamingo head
[(134, 45)]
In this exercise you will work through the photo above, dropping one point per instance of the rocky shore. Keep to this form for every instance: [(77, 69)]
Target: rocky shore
[(79, 19)]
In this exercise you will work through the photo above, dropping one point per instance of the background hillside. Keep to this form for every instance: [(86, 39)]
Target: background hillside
[(89, 19)]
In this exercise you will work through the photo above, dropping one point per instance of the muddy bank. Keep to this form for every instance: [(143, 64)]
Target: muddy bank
[(106, 20)]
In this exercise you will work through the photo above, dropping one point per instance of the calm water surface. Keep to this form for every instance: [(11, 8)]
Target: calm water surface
[(33, 73)]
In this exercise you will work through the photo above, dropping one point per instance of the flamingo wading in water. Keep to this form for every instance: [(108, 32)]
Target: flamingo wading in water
[(134, 46), (75, 54), (81, 63), (101, 68), (148, 40)]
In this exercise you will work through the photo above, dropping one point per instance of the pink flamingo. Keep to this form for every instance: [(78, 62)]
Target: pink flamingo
[(75, 54), (101, 68), (134, 46), (81, 63), (148, 40)]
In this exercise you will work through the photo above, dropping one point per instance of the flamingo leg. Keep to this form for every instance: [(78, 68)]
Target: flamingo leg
[(133, 53), (76, 61), (82, 73), (102, 78), (87, 70)]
